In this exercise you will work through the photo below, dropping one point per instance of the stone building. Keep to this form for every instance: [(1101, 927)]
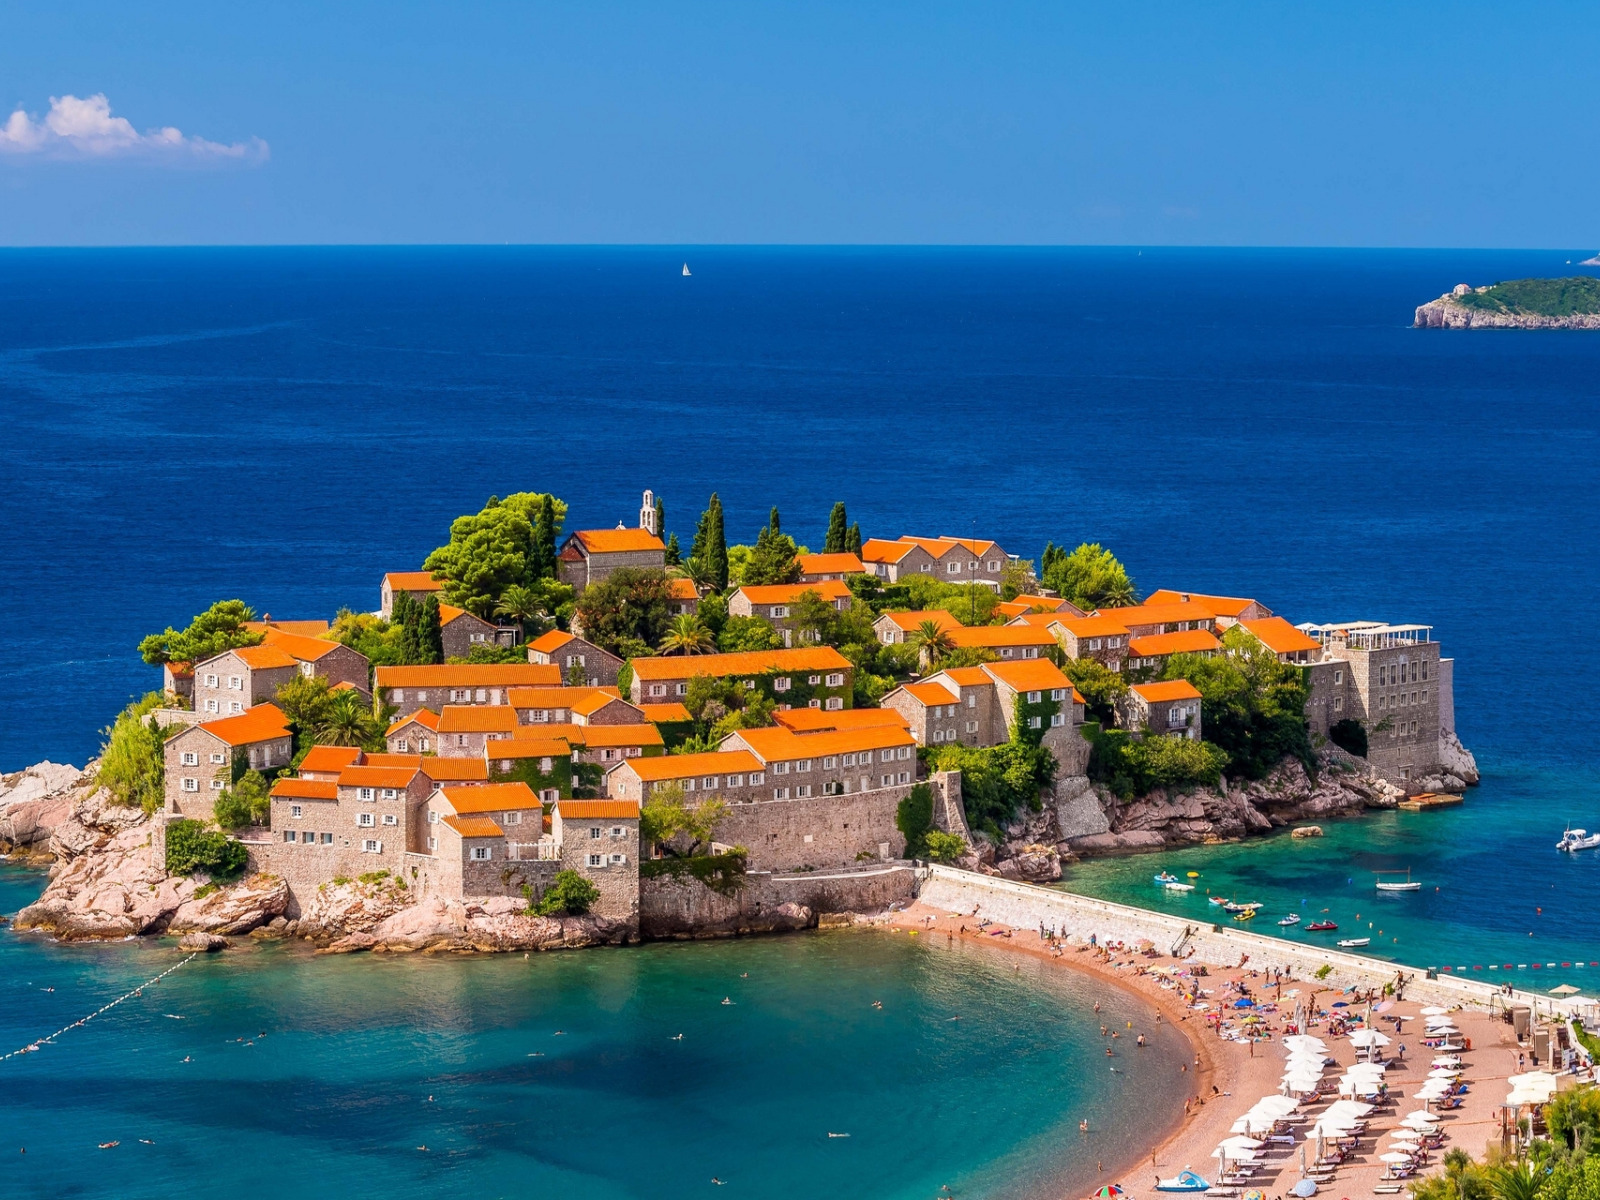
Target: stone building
[(894, 561), (177, 680), (461, 631), (1228, 610), (414, 734), (199, 762), (683, 598), (599, 839), (231, 682), (435, 685), (815, 676), (589, 555), (1151, 620), (1003, 641), (573, 705), (896, 628), (325, 659), (775, 603), (1284, 640), (420, 585), (820, 568), (1169, 708), (464, 728), (575, 656), (978, 706), (1101, 638), (952, 560), (1393, 680), (1149, 653)]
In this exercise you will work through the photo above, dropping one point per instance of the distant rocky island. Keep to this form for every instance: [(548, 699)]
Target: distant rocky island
[(1570, 303)]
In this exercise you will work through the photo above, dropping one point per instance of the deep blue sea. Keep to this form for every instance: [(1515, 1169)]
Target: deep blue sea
[(286, 425)]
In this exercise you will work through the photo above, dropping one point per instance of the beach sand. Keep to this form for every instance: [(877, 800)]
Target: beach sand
[(1242, 1073)]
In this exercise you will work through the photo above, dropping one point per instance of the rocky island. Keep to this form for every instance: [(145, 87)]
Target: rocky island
[(1570, 303)]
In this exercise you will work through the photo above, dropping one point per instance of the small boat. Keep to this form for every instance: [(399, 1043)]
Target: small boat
[(1250, 906), (1578, 839), (1178, 887), (1217, 899), (1291, 919), (1353, 943), (685, 268), (1322, 926), (1248, 914), (1407, 886), (1184, 1181), (1164, 878)]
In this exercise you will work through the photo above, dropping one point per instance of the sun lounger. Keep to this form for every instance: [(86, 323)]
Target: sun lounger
[(1389, 1189)]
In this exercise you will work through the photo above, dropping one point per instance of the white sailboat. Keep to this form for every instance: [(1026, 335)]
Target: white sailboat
[(685, 268), (1407, 886)]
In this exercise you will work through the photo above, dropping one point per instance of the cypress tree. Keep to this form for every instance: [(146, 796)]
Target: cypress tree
[(838, 533), (430, 636), (772, 521), (661, 518), (852, 541), (403, 616), (702, 534), (542, 562), (716, 555), (674, 554)]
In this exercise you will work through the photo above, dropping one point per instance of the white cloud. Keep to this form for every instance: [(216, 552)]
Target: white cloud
[(85, 129)]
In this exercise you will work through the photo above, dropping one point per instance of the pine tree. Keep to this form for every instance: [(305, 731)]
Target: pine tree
[(542, 562), (430, 636), (852, 540), (716, 552), (674, 554), (772, 521), (838, 533)]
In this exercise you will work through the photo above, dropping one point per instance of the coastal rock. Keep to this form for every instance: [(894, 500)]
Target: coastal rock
[(1110, 843), (1456, 759), (1445, 313), (1035, 864), (353, 906), (34, 802), (237, 909), (435, 925), (210, 943), (1307, 831)]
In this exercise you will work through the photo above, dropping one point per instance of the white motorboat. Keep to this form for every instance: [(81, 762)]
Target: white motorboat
[(1178, 887), (1578, 839), (1353, 943), (1407, 886), (1291, 919)]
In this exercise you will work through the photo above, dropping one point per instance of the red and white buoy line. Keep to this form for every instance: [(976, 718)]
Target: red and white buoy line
[(45, 1041)]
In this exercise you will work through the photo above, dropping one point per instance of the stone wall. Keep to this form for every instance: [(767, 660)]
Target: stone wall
[(686, 908), (818, 831)]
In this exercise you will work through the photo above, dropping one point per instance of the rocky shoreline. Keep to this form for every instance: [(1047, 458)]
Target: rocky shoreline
[(1446, 313)]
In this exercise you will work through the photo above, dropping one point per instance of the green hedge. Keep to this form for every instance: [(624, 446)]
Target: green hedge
[(722, 873), (191, 847)]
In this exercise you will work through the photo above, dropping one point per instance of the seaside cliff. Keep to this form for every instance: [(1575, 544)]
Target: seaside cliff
[(1518, 304)]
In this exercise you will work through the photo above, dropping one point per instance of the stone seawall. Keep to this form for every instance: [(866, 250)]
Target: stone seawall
[(768, 903), (1025, 906)]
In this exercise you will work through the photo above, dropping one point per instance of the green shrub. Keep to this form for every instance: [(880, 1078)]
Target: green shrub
[(945, 847), (132, 761), (996, 782), (722, 873), (1349, 735), (245, 803), (914, 818), (569, 894), (191, 848)]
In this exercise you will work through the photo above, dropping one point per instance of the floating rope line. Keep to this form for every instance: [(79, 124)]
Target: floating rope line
[(45, 1041)]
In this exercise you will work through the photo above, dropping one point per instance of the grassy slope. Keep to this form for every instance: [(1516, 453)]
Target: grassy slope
[(1538, 297)]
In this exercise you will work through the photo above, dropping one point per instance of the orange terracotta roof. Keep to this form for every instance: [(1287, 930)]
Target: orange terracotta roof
[(830, 564), (777, 744), (484, 675), (788, 593), (449, 613), (312, 629), (375, 776), (1030, 675), (454, 770), (879, 550), (665, 713), (553, 729), (1158, 614), (1038, 620), (384, 759), (527, 748), (679, 588), (1010, 608), (262, 658), (425, 717), (809, 720), (931, 693), (965, 676), (940, 546), (305, 789), (1048, 604), (413, 581), (330, 758), (344, 685), (547, 642), (664, 767), (263, 723), (598, 699), (1279, 636), (597, 810), (909, 621), (1170, 689), (1187, 641), (558, 697), (602, 736), (489, 797), (617, 541), (1222, 606), (181, 670), (753, 662), (477, 718), (1088, 627), (475, 827), (990, 636)]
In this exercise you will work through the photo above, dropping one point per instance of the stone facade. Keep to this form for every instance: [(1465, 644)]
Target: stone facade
[(895, 628), (573, 654), (229, 683), (1392, 687), (893, 561), (589, 555), (199, 761), (420, 584), (1165, 709), (599, 839), (435, 685), (460, 631), (818, 568), (415, 734), (776, 603), (823, 673)]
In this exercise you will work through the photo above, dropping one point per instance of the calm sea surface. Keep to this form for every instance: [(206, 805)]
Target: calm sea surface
[(286, 425)]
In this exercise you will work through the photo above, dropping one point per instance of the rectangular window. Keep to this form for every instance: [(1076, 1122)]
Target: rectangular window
[(683, 689), (216, 785), (780, 768), (756, 778), (1035, 697), (779, 610), (433, 817), (294, 810), (903, 752), (886, 756), (1035, 723), (780, 793), (219, 758), (191, 785), (904, 777), (327, 839), (735, 781), (235, 684), (888, 780), (365, 793), (658, 689), (401, 745), (308, 838), (708, 782), (781, 684), (972, 700), (800, 793), (595, 860), (480, 854), (836, 679), (830, 762), (390, 819), (389, 793), (433, 843), (850, 760), (371, 847), (1057, 720), (211, 706), (1058, 693), (834, 703), (235, 706), (288, 835), (618, 860), (953, 568), (972, 727), (211, 681), (190, 758), (364, 820), (594, 833)]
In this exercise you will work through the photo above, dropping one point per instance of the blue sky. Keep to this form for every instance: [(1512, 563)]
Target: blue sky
[(1434, 124)]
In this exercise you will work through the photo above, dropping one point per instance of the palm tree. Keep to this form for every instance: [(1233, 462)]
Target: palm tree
[(1514, 1183), (688, 635), (346, 722), (932, 640), (520, 604)]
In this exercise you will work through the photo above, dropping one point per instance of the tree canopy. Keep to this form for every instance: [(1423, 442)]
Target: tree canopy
[(628, 612), (132, 761), (773, 559), (1251, 705), (219, 628), (497, 548), (1090, 576), (838, 538), (708, 553)]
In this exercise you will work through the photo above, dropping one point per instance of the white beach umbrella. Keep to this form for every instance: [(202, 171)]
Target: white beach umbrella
[(1238, 1156), (1534, 1079), (1433, 1010), (1394, 1156), (1304, 1041), (1254, 1123), (1275, 1104), (1420, 1116), (1447, 1060), (1353, 1108), (1368, 1038), (1239, 1142)]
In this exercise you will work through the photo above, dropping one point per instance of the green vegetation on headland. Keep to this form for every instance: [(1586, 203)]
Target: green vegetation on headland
[(1573, 296)]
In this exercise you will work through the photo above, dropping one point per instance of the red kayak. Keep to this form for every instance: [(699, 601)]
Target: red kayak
[(1321, 926)]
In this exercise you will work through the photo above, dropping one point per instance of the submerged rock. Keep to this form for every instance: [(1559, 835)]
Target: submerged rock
[(210, 943)]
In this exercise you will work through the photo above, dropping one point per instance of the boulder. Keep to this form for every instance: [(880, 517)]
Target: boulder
[(208, 943), (353, 906), (236, 909), (1455, 759), (1307, 831)]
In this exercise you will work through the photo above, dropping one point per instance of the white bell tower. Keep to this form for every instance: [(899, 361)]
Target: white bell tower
[(647, 513)]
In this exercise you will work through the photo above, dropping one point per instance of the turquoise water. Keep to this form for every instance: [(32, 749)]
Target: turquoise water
[(1495, 890), (558, 1075)]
